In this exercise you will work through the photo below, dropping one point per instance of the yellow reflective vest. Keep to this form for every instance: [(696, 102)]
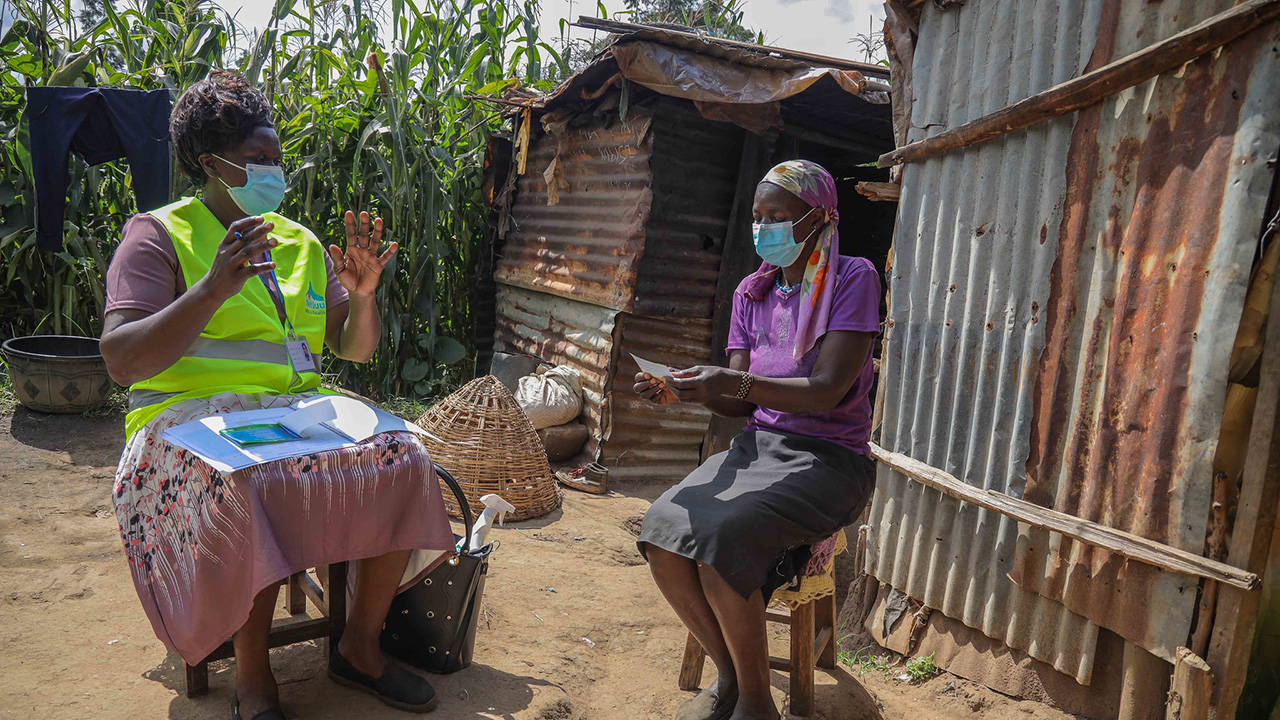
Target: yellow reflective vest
[(242, 348)]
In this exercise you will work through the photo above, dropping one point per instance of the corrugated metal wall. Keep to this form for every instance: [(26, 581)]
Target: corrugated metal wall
[(1063, 304), (634, 242), (695, 167), (562, 332), (977, 235), (1168, 184), (648, 441), (587, 247)]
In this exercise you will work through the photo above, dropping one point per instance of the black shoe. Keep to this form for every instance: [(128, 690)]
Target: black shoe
[(397, 687), (272, 714)]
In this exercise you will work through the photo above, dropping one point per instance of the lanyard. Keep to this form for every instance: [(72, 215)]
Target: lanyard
[(277, 296)]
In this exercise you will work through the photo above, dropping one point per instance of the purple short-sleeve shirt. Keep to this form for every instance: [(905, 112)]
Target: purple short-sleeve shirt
[(766, 328)]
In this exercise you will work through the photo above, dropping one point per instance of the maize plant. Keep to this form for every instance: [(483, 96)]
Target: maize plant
[(370, 105)]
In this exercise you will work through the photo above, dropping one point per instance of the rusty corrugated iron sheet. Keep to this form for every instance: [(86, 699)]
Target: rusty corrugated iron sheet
[(1168, 184), (665, 275), (1063, 308), (977, 235), (587, 246), (648, 441), (562, 332)]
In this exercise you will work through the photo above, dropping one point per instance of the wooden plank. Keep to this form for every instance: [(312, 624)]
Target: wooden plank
[(1215, 549), (802, 637), (624, 28), (779, 664), (1144, 685), (1192, 687), (1237, 612), (197, 679), (1097, 85), (316, 593), (821, 641), (879, 191), (296, 631), (1117, 541), (826, 612), (336, 597), (771, 616), (295, 602), (691, 665)]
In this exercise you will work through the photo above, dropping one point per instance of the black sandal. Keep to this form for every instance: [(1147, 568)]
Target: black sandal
[(397, 687), (272, 714)]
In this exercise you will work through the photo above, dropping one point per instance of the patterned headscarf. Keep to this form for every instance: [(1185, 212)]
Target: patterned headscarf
[(813, 184)]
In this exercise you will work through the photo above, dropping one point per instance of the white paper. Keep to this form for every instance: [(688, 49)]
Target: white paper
[(304, 420), (653, 368), (359, 421), (351, 421)]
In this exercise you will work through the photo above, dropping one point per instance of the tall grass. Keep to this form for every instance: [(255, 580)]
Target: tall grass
[(371, 110)]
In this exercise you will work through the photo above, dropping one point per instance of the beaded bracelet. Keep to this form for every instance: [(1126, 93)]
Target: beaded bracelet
[(744, 385)]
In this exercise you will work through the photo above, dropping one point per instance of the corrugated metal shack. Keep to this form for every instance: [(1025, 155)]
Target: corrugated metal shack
[(624, 226), (1065, 327)]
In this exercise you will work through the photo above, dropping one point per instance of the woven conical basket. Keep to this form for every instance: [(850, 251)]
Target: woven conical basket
[(482, 437)]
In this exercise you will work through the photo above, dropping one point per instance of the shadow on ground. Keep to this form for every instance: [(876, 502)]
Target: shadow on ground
[(95, 443), (479, 691)]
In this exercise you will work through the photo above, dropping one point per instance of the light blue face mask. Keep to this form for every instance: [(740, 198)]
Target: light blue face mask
[(776, 242), (262, 192)]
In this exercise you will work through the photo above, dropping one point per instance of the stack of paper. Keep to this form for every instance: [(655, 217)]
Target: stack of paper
[(322, 423)]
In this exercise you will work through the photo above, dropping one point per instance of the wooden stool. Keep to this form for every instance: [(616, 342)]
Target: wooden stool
[(332, 605), (812, 619)]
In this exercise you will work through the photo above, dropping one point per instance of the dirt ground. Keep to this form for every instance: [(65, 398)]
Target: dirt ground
[(573, 628)]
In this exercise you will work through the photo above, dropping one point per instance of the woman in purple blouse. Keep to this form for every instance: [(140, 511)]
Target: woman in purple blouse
[(740, 526)]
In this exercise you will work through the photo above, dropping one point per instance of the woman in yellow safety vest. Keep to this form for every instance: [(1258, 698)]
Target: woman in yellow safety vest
[(217, 304)]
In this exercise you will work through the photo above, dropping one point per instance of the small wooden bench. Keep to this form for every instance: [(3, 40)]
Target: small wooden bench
[(332, 604), (811, 615)]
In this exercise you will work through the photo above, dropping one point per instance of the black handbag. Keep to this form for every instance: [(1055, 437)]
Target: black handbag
[(432, 625)]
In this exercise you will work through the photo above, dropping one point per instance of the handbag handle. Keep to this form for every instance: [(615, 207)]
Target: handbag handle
[(462, 503)]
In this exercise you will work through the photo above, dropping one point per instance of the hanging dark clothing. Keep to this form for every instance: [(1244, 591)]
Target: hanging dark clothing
[(98, 124)]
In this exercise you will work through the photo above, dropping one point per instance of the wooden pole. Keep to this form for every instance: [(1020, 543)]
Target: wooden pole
[(1192, 686), (1237, 612), (1095, 86), (1119, 542)]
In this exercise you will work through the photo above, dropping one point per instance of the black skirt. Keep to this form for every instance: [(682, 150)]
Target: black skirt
[(753, 511)]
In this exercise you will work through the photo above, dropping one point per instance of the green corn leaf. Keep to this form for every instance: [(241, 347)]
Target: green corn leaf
[(71, 70)]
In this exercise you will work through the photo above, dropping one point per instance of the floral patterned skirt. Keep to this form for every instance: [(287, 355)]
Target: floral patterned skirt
[(201, 544)]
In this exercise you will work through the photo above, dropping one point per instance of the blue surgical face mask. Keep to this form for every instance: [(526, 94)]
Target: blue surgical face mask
[(262, 192), (776, 242)]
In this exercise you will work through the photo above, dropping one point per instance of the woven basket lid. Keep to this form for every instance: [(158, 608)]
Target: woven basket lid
[(484, 439)]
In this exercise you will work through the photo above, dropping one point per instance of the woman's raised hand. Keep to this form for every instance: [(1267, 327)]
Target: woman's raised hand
[(360, 266), (246, 240)]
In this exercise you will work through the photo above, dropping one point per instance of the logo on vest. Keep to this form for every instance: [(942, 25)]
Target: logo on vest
[(315, 301)]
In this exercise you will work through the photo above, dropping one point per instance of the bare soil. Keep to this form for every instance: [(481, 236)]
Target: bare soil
[(572, 626)]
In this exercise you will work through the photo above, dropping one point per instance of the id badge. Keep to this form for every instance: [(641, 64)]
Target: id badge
[(300, 354)]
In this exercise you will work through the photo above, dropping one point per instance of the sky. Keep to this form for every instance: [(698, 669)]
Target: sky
[(824, 27)]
